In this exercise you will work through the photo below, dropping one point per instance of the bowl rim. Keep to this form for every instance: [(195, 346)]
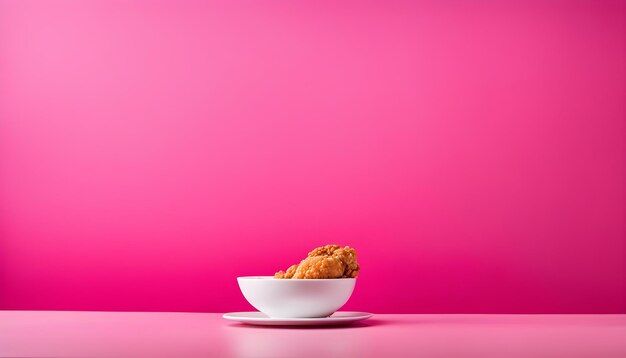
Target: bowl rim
[(294, 279)]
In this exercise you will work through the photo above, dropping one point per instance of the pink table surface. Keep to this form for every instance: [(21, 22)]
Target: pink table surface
[(146, 334)]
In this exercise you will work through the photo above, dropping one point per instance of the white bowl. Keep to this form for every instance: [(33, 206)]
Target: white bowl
[(296, 298)]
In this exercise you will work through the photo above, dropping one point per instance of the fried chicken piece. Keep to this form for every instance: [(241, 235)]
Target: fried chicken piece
[(347, 255), (330, 261), (320, 267), (289, 274)]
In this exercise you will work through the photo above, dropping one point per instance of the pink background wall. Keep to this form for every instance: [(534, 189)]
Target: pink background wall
[(150, 152)]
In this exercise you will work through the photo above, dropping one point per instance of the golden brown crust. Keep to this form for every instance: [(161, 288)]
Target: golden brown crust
[(289, 274), (327, 250), (319, 267), (330, 261)]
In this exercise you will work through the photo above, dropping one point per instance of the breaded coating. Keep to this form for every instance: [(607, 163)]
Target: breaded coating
[(289, 274), (330, 261)]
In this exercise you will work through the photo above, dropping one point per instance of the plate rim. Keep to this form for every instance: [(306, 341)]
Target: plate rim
[(361, 316)]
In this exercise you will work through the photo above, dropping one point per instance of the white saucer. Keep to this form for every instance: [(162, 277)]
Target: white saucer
[(258, 318)]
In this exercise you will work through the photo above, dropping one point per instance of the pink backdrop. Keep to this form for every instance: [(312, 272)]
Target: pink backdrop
[(150, 152)]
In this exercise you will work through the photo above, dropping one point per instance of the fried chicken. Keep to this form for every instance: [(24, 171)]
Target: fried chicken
[(289, 274), (330, 261)]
